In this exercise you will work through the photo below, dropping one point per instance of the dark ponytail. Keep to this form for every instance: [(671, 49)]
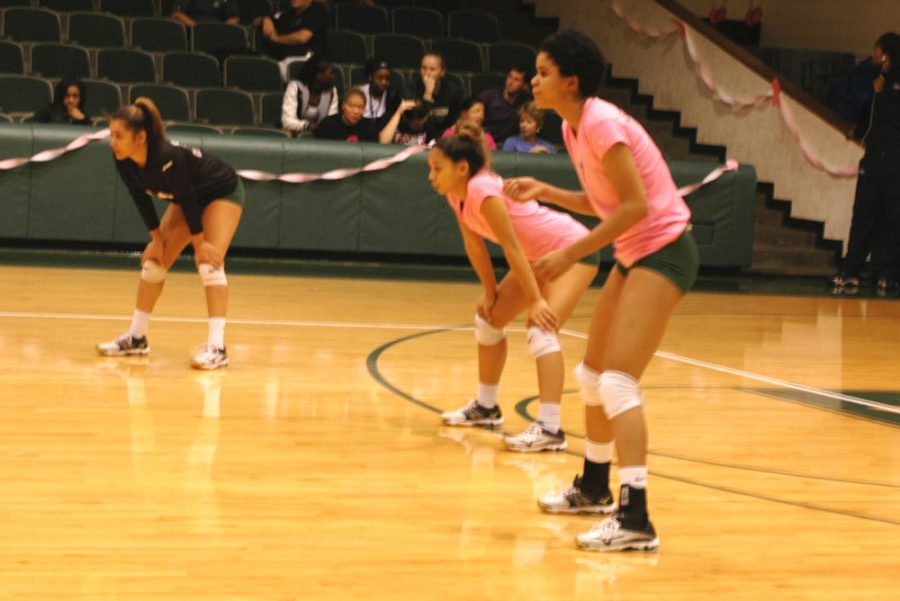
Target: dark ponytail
[(143, 115), (467, 144)]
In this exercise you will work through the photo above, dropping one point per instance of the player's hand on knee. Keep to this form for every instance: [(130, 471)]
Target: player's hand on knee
[(541, 315), (486, 305)]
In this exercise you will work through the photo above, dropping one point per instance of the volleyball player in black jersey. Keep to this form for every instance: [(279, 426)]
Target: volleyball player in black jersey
[(206, 201)]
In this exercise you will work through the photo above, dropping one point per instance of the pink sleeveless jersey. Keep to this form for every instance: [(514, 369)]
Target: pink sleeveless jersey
[(538, 228), (602, 125)]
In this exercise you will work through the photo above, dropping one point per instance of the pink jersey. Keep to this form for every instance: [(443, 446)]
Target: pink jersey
[(538, 228), (603, 125)]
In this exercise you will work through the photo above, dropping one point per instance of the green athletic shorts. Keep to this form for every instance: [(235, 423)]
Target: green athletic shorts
[(237, 197), (677, 262), (591, 259)]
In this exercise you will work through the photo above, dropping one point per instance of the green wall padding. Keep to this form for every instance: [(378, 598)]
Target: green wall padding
[(79, 197)]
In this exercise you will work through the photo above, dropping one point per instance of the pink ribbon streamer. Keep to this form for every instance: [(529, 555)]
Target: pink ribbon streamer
[(260, 176), (774, 94), (53, 153), (335, 174), (730, 165)]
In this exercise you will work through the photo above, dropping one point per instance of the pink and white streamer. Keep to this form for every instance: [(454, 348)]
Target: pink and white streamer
[(260, 176), (730, 165), (728, 100), (335, 174), (53, 153)]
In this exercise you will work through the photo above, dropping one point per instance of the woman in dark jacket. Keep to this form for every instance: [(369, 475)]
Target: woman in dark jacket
[(875, 226), (67, 106)]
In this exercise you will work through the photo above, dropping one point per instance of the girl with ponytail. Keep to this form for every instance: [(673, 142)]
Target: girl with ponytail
[(206, 199), (460, 169)]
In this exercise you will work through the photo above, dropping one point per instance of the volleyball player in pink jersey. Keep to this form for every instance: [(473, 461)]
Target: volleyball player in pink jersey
[(460, 170), (625, 182)]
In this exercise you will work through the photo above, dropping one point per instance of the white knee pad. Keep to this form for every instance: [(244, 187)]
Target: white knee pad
[(620, 393), (542, 343), (152, 272), (588, 382), (212, 276), (487, 334)]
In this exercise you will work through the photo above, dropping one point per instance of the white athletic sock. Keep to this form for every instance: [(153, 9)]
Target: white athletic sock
[(634, 476), (217, 332), (549, 416), (488, 394), (598, 452), (140, 321)]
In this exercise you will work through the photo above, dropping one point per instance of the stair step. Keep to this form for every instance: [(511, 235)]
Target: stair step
[(779, 236), (793, 261), (769, 218)]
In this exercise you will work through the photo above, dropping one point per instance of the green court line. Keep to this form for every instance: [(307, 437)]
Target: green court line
[(886, 397)]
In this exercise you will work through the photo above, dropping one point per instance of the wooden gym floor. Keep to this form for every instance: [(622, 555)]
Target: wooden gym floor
[(315, 466)]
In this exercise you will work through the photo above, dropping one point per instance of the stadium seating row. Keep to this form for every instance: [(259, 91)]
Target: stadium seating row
[(21, 95), (192, 69), (48, 23)]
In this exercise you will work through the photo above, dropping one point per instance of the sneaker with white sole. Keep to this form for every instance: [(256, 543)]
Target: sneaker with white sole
[(124, 346), (573, 499), (611, 535), (209, 357), (536, 438), (474, 414)]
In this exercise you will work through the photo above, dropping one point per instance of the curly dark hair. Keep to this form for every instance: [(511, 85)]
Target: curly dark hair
[(577, 54)]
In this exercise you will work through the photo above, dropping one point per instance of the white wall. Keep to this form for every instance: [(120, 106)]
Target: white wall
[(838, 25), (754, 136)]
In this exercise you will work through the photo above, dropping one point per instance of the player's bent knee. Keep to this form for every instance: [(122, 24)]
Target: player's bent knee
[(542, 343), (211, 275), (487, 334), (620, 393), (152, 272)]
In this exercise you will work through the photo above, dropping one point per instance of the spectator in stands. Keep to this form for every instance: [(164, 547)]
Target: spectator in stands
[(875, 225), (851, 96), (381, 100), (310, 98), (349, 125), (441, 98), (190, 12), (472, 111), (67, 106), (296, 33), (408, 125), (531, 119), (501, 106)]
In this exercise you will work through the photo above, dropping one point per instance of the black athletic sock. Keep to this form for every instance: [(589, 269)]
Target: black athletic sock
[(595, 482), (633, 508)]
